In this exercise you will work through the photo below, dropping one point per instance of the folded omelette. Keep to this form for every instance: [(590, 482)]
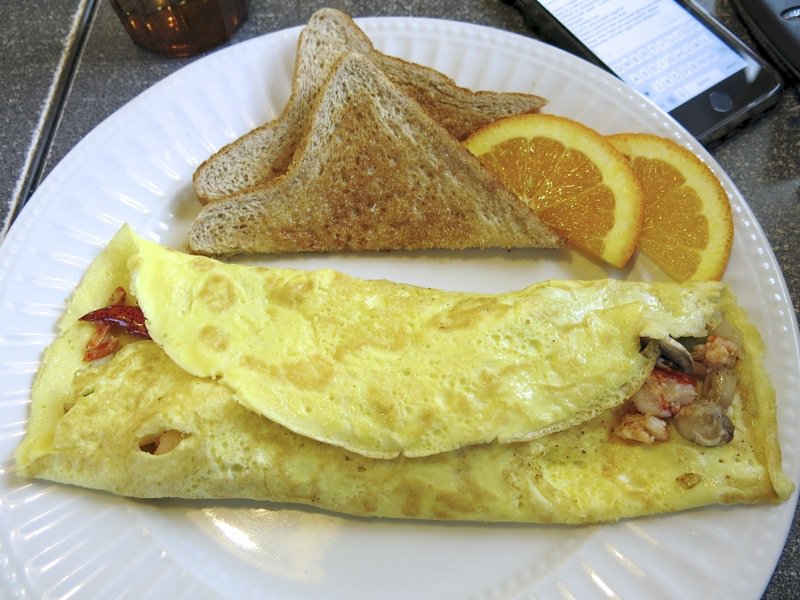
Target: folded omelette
[(380, 399)]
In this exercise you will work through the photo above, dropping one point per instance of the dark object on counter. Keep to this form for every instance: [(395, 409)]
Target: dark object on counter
[(180, 28), (672, 51), (775, 25)]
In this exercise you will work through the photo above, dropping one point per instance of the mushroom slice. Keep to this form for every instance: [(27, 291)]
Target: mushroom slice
[(674, 354), (705, 424)]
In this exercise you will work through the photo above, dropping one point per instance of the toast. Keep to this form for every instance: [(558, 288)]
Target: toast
[(265, 152), (372, 172)]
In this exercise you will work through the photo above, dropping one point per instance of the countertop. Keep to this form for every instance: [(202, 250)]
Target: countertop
[(68, 64)]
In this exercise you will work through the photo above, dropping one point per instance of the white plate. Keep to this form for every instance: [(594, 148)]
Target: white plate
[(136, 167)]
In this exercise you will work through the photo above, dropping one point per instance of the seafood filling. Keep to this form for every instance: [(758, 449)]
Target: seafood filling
[(692, 385)]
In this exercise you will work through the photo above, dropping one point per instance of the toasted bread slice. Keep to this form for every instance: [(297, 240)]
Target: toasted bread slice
[(373, 172), (266, 152)]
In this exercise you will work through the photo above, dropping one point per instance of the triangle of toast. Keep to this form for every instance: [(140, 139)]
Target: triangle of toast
[(372, 172)]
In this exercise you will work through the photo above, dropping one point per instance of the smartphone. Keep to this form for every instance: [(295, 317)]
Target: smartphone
[(671, 51)]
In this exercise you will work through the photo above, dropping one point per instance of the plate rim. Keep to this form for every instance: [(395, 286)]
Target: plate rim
[(17, 234)]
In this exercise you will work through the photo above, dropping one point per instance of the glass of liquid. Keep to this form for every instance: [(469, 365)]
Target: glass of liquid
[(180, 27)]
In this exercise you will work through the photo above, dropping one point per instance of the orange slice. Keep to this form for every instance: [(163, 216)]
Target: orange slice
[(571, 176), (687, 228)]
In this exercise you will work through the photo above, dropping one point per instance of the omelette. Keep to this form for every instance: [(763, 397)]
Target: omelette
[(380, 399), (384, 369)]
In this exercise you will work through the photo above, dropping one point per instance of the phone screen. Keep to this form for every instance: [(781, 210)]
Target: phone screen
[(655, 46)]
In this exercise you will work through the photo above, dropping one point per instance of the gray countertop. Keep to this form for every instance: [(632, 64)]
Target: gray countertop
[(68, 64)]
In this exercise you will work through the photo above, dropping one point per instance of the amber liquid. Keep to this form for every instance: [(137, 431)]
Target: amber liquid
[(181, 27)]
